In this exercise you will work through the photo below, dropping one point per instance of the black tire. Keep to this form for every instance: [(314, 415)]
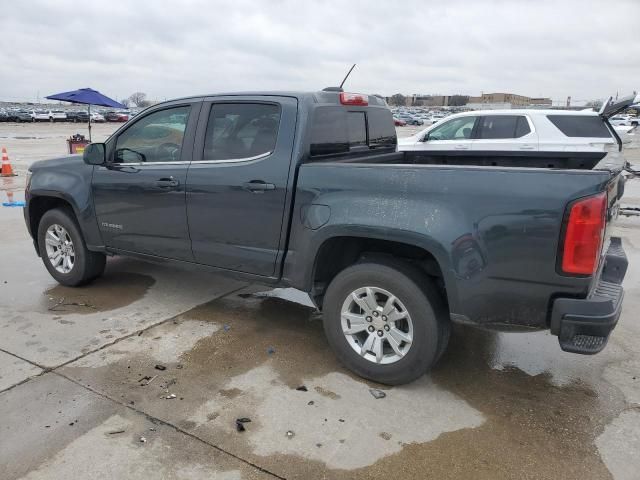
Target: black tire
[(87, 266), (422, 300)]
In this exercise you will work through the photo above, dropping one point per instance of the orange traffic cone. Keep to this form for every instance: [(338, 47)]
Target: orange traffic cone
[(7, 171)]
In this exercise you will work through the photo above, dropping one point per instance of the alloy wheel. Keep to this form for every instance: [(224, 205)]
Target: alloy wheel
[(377, 325)]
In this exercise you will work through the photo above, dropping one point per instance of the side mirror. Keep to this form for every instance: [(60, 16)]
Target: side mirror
[(425, 138), (94, 154)]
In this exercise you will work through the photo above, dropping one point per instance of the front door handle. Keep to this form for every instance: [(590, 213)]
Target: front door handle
[(461, 147), (167, 182), (258, 186), (527, 147)]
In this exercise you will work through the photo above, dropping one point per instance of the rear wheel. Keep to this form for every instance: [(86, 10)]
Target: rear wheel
[(385, 321), (64, 251)]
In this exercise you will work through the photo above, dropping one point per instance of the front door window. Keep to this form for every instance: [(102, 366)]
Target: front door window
[(155, 138), (456, 129)]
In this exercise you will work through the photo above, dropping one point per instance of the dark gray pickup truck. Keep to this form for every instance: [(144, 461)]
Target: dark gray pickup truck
[(308, 190)]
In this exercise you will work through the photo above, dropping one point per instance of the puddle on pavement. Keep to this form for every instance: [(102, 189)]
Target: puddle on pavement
[(495, 405), (111, 291)]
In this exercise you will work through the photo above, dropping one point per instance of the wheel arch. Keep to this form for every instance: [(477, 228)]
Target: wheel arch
[(337, 252), (41, 204)]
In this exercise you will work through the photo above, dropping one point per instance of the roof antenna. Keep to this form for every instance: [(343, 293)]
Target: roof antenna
[(339, 89), (347, 75)]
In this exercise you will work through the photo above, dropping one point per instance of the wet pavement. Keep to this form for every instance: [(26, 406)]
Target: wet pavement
[(145, 371)]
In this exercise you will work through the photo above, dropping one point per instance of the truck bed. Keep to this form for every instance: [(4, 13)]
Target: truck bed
[(492, 229), (608, 160)]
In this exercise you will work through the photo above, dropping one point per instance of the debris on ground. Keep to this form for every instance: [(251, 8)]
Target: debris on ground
[(290, 434), (240, 423), (115, 432), (302, 388), (160, 367), (377, 393), (147, 380), (271, 350), (226, 328), (62, 303), (143, 440), (171, 396), (341, 420), (311, 402)]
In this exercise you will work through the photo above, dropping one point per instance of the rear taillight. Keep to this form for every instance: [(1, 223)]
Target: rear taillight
[(354, 99), (584, 234)]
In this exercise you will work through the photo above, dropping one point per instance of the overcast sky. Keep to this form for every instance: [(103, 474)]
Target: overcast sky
[(584, 48)]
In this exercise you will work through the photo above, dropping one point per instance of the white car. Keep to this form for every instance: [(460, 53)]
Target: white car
[(57, 116), (97, 117), (48, 116), (479, 132), (624, 121), (39, 115)]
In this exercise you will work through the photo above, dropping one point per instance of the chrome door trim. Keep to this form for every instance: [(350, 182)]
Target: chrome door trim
[(232, 160)]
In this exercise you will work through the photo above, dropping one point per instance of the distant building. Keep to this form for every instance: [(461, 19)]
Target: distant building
[(489, 106), (429, 100), (512, 98), (540, 102), (493, 101)]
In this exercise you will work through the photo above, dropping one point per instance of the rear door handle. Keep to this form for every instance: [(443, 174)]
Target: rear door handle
[(527, 147), (461, 147), (258, 186), (167, 182)]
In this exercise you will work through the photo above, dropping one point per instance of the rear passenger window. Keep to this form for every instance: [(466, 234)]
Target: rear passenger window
[(503, 126), (357, 129), (590, 126), (382, 133), (329, 131), (522, 127), (335, 130), (241, 130)]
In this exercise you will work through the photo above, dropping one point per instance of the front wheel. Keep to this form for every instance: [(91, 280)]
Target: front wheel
[(64, 251), (385, 321)]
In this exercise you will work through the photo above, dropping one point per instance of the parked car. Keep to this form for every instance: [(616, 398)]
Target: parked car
[(21, 116), (39, 115), (391, 248), (410, 120), (552, 133), (76, 116), (116, 117), (97, 117), (57, 116), (399, 122), (624, 121)]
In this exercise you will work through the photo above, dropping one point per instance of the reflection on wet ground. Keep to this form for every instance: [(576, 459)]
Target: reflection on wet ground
[(509, 401), (112, 290)]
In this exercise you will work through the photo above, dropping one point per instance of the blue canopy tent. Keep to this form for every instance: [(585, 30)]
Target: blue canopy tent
[(87, 96)]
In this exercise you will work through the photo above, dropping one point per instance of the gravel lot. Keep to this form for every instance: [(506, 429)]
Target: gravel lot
[(81, 395)]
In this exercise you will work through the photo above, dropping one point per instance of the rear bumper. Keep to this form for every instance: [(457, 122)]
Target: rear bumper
[(583, 325)]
